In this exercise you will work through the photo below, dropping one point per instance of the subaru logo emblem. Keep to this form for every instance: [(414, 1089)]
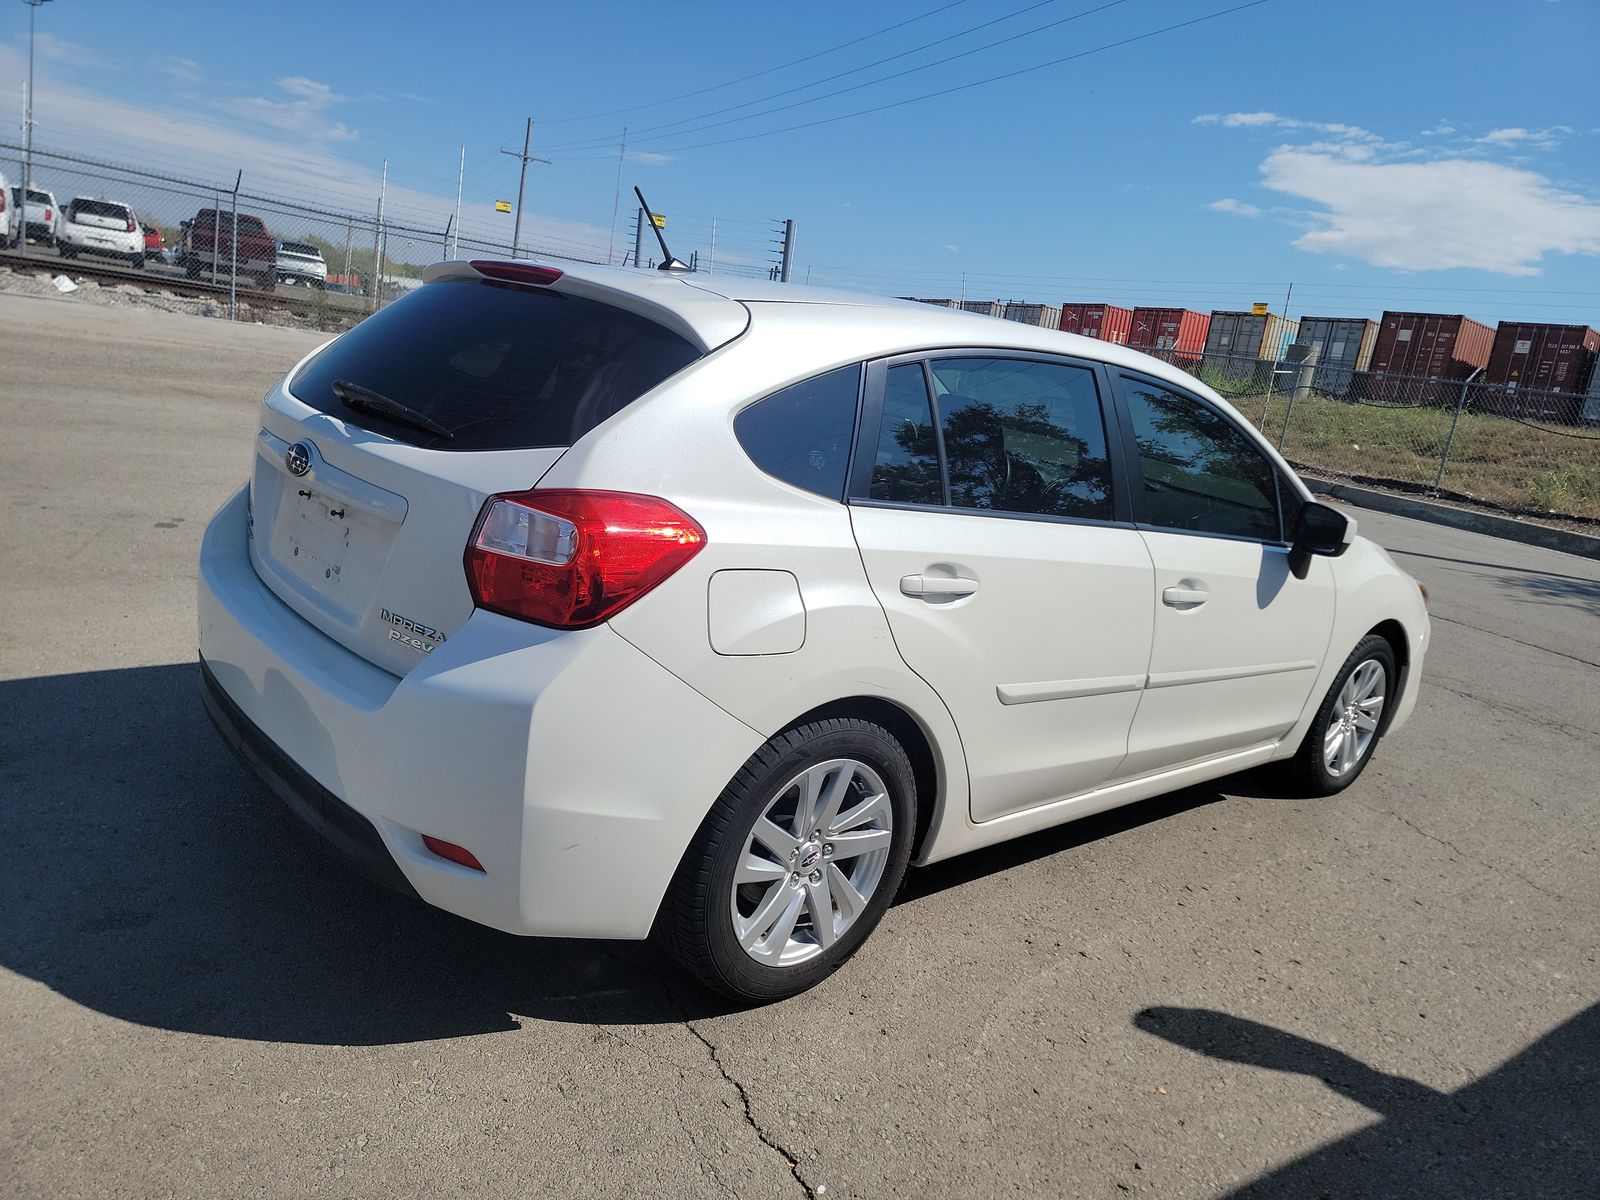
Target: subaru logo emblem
[(297, 458)]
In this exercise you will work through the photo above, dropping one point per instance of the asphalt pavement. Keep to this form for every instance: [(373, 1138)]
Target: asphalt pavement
[(1394, 992)]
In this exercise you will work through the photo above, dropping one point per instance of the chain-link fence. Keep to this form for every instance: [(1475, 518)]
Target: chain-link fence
[(1509, 448), (331, 266)]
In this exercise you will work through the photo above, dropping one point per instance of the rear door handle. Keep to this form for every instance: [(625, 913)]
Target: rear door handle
[(1190, 593), (937, 585)]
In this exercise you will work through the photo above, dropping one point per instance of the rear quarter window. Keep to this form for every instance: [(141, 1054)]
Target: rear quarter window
[(501, 366), (802, 434)]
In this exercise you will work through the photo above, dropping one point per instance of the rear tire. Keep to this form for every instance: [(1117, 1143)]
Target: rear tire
[(761, 936), (137, 262), (67, 251), (1349, 722)]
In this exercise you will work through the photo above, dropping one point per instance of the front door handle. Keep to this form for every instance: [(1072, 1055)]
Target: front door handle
[(937, 585), (1186, 594)]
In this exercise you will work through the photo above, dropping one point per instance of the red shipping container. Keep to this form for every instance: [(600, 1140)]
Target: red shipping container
[(1430, 345), (1535, 356), (1180, 330), (1104, 321)]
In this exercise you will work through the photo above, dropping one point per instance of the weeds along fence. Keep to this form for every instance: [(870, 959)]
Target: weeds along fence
[(370, 260), (1528, 452)]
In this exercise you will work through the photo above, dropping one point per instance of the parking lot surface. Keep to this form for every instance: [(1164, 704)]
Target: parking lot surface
[(1394, 992)]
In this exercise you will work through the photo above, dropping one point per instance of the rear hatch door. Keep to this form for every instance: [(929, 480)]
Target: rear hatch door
[(98, 214), (362, 507)]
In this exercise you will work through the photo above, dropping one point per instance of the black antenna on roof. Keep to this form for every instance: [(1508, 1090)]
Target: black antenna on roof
[(668, 262)]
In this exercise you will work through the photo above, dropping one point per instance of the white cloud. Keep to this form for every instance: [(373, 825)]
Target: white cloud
[(648, 158), (949, 247), (54, 49), (1430, 216), (185, 70), (1442, 129), (1237, 207), (304, 114), (1539, 139), (1271, 120)]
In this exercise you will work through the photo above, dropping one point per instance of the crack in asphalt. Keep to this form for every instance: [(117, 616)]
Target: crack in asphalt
[(1531, 645), (1465, 857), (1577, 732), (749, 1114)]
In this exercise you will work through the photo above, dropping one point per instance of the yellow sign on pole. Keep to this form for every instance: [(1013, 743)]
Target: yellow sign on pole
[(658, 220), (502, 206), (1259, 309)]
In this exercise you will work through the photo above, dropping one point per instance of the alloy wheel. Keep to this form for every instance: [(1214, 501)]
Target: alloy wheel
[(1354, 723)]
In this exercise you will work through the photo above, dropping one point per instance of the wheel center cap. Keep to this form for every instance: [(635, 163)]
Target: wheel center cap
[(810, 859)]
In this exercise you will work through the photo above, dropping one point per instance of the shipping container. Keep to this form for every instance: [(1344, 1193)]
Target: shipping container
[(985, 308), (1248, 335), (1045, 316), (1542, 357), (925, 300), (1589, 412), (1430, 345), (1343, 346), (1180, 331), (1104, 321)]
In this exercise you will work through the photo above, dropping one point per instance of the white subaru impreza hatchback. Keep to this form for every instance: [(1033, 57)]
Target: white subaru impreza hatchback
[(603, 603)]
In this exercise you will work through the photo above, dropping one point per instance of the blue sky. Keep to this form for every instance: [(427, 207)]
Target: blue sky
[(1403, 154)]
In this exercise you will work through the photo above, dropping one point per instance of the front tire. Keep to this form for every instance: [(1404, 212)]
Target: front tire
[(796, 863), (1350, 721)]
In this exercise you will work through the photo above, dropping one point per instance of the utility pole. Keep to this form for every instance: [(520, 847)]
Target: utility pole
[(711, 259), (786, 264), (27, 139), (522, 179), (461, 172), (616, 200), (638, 240), (376, 290)]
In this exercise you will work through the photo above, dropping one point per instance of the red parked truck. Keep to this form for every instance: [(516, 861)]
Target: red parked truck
[(206, 243)]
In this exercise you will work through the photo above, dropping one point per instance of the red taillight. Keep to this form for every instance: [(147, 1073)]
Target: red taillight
[(48, 215), (516, 272), (131, 226), (571, 559), (453, 852)]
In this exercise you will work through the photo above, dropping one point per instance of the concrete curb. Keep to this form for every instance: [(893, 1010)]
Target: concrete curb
[(1582, 544)]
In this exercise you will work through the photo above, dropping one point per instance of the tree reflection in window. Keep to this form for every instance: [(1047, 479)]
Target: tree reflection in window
[(1022, 436), (1200, 472), (906, 468)]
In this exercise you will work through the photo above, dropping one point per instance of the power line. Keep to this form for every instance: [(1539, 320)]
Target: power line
[(591, 143), (717, 87), (950, 91)]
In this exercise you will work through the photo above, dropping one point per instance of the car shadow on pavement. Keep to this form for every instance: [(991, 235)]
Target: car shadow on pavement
[(148, 876), (1526, 1128)]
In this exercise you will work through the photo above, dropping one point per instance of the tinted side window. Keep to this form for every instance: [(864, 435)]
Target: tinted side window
[(906, 466), (1023, 437), (1199, 471), (802, 434)]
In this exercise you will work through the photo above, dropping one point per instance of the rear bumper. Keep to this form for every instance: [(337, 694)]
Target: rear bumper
[(339, 824), (574, 767)]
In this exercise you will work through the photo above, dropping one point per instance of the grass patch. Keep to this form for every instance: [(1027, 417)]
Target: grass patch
[(1522, 467)]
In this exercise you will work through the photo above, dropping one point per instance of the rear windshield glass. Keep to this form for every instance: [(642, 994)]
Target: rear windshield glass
[(301, 248), (501, 366), (99, 208)]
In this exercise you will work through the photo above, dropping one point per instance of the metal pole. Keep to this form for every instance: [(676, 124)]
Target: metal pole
[(461, 173), (27, 140), (377, 243), (216, 235), (711, 259), (638, 240), (1276, 356), (788, 251), (1450, 440), (522, 179), (444, 244), (616, 199), (233, 254), (349, 236)]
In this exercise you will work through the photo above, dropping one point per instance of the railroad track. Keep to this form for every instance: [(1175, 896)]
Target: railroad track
[(164, 278)]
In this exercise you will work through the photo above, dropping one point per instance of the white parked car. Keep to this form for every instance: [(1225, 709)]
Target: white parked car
[(302, 263), (602, 603), (104, 227), (10, 216), (43, 217)]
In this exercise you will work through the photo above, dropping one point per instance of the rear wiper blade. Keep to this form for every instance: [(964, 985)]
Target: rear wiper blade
[(364, 399)]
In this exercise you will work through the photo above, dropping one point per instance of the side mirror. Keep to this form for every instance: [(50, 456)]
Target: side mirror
[(1321, 531)]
